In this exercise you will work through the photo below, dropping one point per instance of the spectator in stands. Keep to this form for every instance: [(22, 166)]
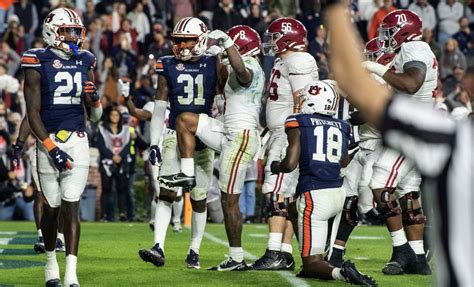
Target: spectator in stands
[(160, 46), (427, 36), (225, 16), (141, 24), (119, 14), (464, 37), (451, 56), (378, 16), (125, 57), (14, 36), (255, 20), (89, 15), (426, 12), (26, 11), (182, 9), (449, 14), (9, 57), (286, 7), (451, 82), (108, 79), (318, 45), (9, 88), (113, 142)]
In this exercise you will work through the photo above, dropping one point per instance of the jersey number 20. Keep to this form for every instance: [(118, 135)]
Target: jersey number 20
[(333, 141), (190, 84)]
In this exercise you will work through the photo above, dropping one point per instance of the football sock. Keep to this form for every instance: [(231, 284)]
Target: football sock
[(398, 238), (285, 247), (335, 246), (236, 253), (198, 224), (70, 276), (152, 212), (61, 237), (51, 269), (274, 241), (417, 246), (187, 166), (40, 234), (177, 210), (336, 274), (162, 220)]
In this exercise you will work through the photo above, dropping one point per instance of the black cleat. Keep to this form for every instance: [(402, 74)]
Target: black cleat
[(336, 259), (39, 246), (271, 260), (354, 277), (289, 261), (53, 283), (60, 245), (192, 260), (179, 179), (230, 265), (155, 255), (402, 257), (420, 266)]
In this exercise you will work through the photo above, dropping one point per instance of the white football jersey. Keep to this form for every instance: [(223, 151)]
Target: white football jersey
[(418, 51), (288, 76), (242, 105)]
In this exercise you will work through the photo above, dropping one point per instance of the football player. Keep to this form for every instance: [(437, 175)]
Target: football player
[(292, 70), (58, 84), (188, 80), (359, 198), (236, 139), (414, 73), (318, 143)]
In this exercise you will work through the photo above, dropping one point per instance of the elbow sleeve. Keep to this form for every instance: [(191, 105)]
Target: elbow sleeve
[(157, 121), (96, 113)]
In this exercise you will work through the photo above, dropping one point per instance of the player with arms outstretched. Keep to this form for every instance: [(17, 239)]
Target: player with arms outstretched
[(414, 73), (318, 143), (58, 84), (188, 80), (292, 70)]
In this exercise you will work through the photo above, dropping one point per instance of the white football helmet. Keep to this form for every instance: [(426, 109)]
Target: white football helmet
[(63, 30), (319, 97), (189, 28)]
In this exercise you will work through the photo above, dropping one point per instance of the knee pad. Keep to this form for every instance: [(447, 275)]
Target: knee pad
[(410, 215), (387, 208), (279, 208), (349, 212), (168, 196)]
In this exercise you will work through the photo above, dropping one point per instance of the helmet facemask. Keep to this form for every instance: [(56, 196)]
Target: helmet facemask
[(71, 38), (187, 48), (269, 46)]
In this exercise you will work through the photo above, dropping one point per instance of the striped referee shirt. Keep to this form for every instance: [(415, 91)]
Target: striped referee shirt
[(443, 152)]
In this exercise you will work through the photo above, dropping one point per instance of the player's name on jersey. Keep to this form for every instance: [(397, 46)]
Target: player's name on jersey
[(318, 122)]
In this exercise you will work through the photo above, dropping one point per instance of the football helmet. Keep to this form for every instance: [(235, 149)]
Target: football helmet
[(374, 54), (319, 97), (189, 28), (284, 34), (398, 27), (63, 30), (245, 39)]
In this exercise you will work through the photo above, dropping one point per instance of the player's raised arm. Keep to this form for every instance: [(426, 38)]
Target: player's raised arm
[(92, 98), (158, 117), (363, 91), (141, 114)]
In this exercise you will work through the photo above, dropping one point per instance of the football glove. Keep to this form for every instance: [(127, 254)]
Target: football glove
[(275, 167), (222, 38), (17, 152), (375, 68), (91, 90), (155, 155), (62, 161), (124, 88)]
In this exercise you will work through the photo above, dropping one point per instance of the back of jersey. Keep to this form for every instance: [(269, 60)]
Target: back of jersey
[(324, 142), (192, 85)]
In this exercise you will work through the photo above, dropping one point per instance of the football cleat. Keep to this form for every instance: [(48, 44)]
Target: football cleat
[(60, 245), (39, 245), (231, 265), (420, 266), (177, 227), (289, 261), (192, 260), (53, 283), (179, 179), (336, 259), (271, 260), (402, 257), (354, 277), (154, 255)]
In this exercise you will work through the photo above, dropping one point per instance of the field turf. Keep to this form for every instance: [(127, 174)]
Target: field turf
[(108, 256)]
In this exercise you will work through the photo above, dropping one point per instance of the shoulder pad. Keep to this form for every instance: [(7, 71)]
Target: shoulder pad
[(161, 63), (301, 64), (31, 58), (88, 58)]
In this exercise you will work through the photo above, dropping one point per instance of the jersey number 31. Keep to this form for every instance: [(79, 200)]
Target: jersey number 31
[(331, 142), (190, 84)]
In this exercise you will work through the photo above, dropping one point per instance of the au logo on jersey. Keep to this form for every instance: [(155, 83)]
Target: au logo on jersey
[(57, 64), (180, 67)]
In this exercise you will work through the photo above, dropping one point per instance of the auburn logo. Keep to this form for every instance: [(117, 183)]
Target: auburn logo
[(314, 90)]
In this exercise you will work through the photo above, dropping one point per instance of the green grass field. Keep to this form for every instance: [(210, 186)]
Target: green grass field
[(108, 257)]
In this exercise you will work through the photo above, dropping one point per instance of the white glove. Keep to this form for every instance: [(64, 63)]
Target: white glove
[(375, 68), (124, 88), (214, 50), (222, 38)]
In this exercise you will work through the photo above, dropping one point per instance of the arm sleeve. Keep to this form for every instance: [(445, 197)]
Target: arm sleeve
[(420, 132), (157, 122)]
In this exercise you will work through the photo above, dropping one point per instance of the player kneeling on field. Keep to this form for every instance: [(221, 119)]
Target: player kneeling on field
[(319, 193)]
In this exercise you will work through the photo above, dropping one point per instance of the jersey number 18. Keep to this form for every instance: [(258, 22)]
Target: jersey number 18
[(331, 141)]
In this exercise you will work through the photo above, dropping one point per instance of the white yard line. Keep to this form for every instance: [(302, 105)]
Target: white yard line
[(8, 233), (287, 275), (359, 237), (5, 241)]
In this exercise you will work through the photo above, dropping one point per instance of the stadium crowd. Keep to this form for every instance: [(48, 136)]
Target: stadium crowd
[(128, 36)]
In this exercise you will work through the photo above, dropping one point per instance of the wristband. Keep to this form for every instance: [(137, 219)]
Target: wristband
[(49, 144)]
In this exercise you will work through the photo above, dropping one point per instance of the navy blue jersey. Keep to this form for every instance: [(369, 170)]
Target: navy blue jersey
[(324, 142), (61, 87), (192, 85)]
